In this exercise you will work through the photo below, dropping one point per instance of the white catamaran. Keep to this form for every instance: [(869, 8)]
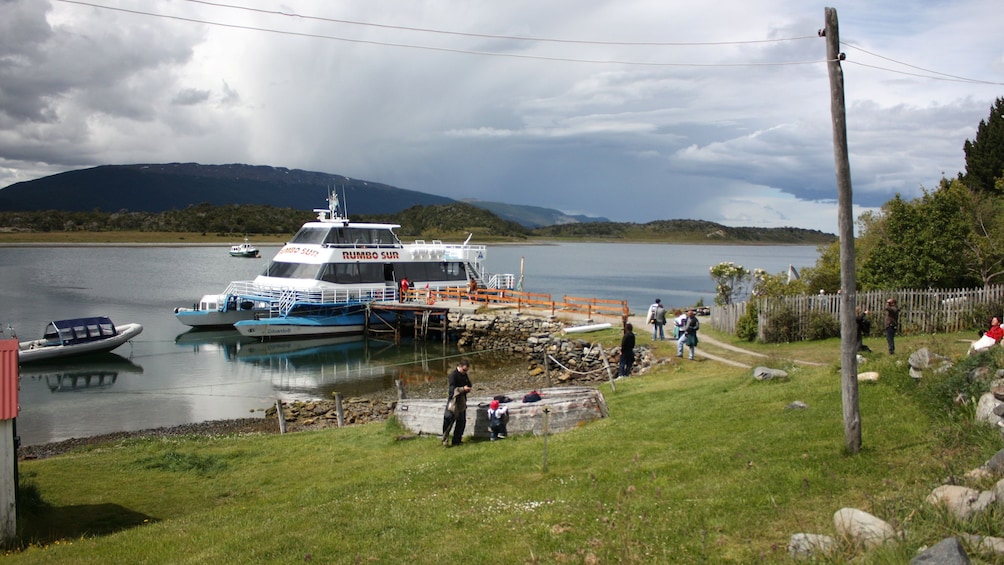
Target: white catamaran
[(322, 280)]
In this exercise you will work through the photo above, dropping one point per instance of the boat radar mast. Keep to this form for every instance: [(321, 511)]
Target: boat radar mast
[(334, 210)]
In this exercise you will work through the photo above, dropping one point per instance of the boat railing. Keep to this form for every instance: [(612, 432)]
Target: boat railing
[(283, 298)]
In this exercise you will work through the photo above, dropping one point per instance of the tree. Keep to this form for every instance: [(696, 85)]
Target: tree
[(985, 154), (922, 243), (730, 281), (986, 239)]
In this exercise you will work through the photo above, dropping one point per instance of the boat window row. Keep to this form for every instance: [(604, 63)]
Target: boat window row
[(346, 237), (357, 273), (79, 331)]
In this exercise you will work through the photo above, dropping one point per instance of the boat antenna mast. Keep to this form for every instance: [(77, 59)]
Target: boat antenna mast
[(334, 211)]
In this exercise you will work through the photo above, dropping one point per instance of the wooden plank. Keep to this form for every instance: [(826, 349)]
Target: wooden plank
[(569, 408)]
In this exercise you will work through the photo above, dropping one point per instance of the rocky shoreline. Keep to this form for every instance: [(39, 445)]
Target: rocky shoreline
[(319, 414)]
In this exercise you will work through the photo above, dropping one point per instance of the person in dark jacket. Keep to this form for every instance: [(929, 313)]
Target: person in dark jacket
[(689, 338), (864, 327), (891, 324), (455, 416), (627, 352)]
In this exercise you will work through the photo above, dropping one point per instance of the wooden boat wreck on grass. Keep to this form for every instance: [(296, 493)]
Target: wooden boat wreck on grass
[(566, 408)]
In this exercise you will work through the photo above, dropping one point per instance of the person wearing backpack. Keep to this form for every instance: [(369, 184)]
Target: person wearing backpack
[(688, 336), (657, 317)]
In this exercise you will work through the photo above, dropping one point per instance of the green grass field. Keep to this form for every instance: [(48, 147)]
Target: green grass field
[(697, 463)]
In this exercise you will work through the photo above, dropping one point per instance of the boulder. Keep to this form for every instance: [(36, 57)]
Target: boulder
[(923, 359), (767, 374), (946, 552), (985, 544), (862, 529), (996, 463), (961, 502), (809, 546), (868, 377), (985, 410)]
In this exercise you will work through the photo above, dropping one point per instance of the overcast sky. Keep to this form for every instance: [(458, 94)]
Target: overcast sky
[(636, 110)]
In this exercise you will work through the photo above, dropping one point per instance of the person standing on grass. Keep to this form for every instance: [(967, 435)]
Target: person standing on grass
[(455, 416), (627, 352), (657, 317), (688, 336), (679, 321), (891, 324)]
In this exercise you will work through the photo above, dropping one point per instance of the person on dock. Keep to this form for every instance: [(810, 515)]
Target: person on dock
[(498, 417), (689, 335), (657, 317), (472, 290), (405, 285), (455, 417), (627, 352)]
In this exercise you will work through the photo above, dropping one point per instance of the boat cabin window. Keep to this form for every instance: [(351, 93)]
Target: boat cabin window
[(348, 273), (431, 271), (310, 235), (291, 270), (340, 236), (360, 237)]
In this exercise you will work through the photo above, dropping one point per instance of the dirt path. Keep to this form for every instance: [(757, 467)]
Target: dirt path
[(640, 324)]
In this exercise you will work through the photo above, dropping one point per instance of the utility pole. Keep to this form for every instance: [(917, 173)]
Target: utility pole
[(845, 217)]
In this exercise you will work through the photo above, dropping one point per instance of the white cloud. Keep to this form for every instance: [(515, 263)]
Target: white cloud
[(744, 144)]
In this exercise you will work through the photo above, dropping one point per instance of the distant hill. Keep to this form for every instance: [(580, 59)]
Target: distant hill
[(686, 231), (174, 186), (532, 216)]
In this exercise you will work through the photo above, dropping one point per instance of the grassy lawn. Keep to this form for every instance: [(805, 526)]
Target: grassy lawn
[(697, 463)]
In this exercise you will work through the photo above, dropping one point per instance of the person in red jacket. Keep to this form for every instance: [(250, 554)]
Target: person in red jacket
[(989, 338)]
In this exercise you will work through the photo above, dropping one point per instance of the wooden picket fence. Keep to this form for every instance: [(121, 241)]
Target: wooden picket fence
[(921, 311)]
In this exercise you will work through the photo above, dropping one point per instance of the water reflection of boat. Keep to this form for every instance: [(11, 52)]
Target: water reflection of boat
[(89, 373), (303, 348), (227, 341)]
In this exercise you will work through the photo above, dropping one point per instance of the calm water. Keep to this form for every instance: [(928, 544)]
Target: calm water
[(170, 376)]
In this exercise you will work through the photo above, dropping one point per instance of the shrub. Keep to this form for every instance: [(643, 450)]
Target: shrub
[(748, 324), (782, 327), (822, 326)]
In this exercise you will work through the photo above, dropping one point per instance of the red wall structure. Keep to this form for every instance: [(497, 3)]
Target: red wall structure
[(8, 379)]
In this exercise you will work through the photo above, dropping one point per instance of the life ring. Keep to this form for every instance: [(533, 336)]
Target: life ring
[(430, 300)]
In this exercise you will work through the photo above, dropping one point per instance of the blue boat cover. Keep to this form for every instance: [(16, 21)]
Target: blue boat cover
[(79, 330)]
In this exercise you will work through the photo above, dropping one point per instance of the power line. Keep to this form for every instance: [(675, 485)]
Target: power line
[(507, 37), (438, 49), (942, 76)]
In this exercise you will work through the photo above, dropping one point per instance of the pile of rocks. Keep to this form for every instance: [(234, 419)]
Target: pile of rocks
[(576, 361), (858, 529)]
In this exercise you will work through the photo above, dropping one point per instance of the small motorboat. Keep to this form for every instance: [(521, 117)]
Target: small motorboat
[(244, 250), (77, 336)]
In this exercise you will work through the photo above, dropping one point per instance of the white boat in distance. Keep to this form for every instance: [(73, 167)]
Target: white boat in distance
[(77, 336), (322, 281), (245, 250)]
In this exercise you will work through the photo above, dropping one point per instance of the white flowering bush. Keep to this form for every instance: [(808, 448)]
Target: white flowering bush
[(731, 281)]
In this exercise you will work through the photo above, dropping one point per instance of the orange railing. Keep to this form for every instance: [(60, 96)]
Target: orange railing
[(530, 300)]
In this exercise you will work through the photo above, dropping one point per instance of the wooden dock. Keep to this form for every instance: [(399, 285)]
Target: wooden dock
[(392, 317), (565, 408)]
